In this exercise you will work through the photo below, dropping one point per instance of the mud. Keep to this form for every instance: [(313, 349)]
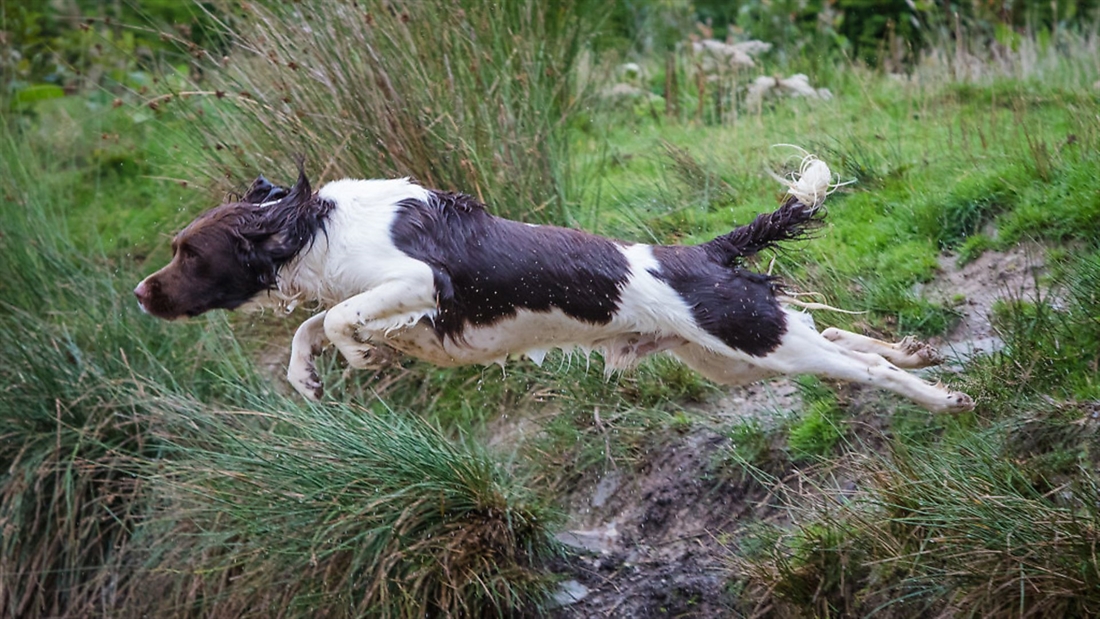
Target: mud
[(656, 543)]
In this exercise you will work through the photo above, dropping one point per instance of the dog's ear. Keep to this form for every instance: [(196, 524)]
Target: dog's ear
[(258, 250), (271, 232), (262, 190), (301, 190)]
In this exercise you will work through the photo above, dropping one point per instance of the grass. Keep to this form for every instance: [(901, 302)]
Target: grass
[(992, 521), (1050, 349), (358, 513), (817, 432), (142, 457)]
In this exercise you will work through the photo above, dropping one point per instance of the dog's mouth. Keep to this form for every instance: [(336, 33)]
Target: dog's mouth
[(148, 312), (149, 308)]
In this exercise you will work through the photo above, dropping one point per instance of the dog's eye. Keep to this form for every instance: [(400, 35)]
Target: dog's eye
[(187, 252)]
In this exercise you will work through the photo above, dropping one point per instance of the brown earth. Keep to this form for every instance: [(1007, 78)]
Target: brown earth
[(656, 541), (973, 289)]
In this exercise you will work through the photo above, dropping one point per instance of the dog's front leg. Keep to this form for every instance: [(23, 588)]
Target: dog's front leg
[(308, 341), (372, 315)]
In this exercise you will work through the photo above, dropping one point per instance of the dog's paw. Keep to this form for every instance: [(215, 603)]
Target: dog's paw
[(303, 377), (924, 353), (958, 402)]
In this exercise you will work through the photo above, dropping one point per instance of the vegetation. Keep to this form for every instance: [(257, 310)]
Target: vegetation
[(474, 96), (161, 469)]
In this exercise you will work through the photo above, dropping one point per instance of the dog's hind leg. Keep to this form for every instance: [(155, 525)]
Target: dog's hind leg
[(909, 353), (805, 351), (376, 313), (308, 341)]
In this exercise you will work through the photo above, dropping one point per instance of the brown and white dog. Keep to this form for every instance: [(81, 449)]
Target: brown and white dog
[(434, 275)]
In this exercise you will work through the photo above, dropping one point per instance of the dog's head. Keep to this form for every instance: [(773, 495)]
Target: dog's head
[(232, 253)]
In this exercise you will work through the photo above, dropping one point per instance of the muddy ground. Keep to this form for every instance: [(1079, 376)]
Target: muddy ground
[(656, 542)]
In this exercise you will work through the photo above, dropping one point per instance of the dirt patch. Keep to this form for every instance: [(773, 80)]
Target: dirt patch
[(649, 543), (655, 541), (756, 400), (974, 288)]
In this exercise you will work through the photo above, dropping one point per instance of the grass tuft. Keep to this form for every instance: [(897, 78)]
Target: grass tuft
[(948, 526), (338, 510)]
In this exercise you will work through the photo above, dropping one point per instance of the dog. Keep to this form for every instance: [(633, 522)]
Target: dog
[(434, 275)]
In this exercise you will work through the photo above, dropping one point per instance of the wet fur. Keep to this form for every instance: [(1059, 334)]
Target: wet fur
[(435, 275)]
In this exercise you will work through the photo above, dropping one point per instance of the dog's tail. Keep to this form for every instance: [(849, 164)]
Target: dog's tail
[(800, 214)]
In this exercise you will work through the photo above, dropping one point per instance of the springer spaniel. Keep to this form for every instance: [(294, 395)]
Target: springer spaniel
[(434, 275)]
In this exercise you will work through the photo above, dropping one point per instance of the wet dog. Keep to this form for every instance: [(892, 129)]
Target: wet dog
[(435, 275)]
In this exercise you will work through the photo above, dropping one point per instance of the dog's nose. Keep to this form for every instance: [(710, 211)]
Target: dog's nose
[(142, 293)]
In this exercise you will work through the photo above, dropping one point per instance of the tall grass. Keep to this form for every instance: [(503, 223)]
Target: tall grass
[(969, 528), (470, 95), (69, 492), (136, 451), (336, 509)]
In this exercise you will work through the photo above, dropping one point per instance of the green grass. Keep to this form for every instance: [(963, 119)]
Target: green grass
[(305, 508), (142, 457), (816, 433), (992, 520)]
